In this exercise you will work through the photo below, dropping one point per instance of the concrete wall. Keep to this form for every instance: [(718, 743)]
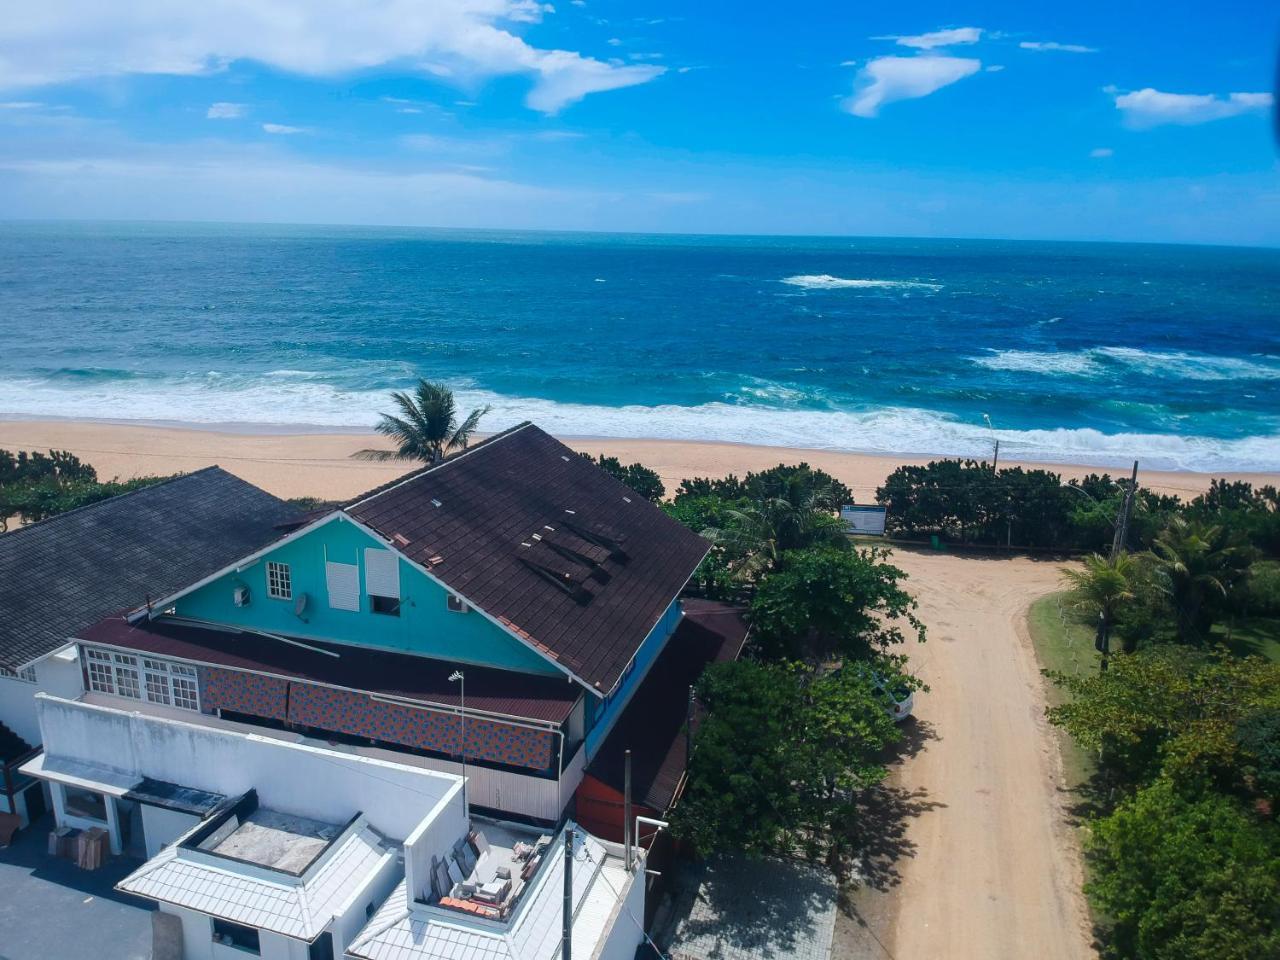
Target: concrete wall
[(434, 838), (58, 674), (425, 624), (305, 780), (626, 934), (161, 826), (197, 940)]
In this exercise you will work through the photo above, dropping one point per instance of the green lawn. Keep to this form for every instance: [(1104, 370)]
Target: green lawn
[(1258, 636), (1065, 645)]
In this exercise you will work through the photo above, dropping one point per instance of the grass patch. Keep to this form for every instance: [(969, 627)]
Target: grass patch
[(1254, 637), (1065, 645)]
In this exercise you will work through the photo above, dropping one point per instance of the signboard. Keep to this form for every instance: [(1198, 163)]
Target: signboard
[(865, 520)]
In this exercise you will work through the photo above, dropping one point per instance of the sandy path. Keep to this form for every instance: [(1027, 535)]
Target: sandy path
[(992, 869)]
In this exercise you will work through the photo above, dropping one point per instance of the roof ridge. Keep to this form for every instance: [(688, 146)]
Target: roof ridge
[(128, 493), (430, 467)]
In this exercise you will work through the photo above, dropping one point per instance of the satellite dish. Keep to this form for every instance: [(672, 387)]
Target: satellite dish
[(300, 607)]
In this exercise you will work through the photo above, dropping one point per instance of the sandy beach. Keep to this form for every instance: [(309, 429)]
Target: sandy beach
[(320, 465)]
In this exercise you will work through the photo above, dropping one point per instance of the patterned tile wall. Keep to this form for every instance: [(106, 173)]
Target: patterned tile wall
[(362, 716), (242, 692)]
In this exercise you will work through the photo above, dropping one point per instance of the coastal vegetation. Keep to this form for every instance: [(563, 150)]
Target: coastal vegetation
[(427, 427), (35, 486)]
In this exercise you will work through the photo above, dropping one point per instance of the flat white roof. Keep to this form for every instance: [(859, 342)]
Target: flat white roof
[(403, 930), (298, 907)]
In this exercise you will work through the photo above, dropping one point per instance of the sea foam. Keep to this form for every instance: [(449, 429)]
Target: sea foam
[(825, 281), (264, 403), (1100, 361)]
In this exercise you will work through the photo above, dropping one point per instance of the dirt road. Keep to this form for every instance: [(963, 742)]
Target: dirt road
[(976, 860)]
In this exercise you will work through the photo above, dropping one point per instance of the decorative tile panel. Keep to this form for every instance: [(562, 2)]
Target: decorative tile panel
[(242, 692), (361, 715)]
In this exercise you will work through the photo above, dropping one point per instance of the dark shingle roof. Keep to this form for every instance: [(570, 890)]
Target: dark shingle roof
[(549, 698), (652, 725), (565, 556), (65, 573)]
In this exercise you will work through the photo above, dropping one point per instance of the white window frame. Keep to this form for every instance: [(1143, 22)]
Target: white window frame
[(161, 682), (279, 580), (25, 675)]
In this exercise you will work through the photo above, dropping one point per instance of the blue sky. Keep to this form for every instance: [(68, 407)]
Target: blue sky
[(1119, 120)]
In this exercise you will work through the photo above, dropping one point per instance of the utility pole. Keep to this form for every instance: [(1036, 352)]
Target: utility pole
[(566, 933), (1118, 544)]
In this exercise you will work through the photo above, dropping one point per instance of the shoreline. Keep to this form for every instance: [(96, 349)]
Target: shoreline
[(293, 462)]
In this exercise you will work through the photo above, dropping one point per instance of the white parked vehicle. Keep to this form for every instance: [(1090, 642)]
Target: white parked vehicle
[(901, 700)]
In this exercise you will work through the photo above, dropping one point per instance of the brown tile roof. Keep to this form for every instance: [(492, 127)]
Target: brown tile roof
[(652, 725), (355, 668), (565, 556)]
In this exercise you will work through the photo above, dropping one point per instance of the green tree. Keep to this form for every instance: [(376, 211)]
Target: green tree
[(1169, 710), (780, 755), (833, 602), (637, 476), (1199, 567), (427, 428), (757, 533), (1186, 877), (1101, 587)]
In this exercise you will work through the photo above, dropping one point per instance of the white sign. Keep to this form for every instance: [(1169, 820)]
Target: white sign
[(865, 520)]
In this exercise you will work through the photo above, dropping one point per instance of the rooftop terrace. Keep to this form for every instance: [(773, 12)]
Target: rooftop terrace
[(275, 840)]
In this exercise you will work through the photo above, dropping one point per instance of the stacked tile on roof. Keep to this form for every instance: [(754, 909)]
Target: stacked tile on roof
[(566, 557), (65, 573)]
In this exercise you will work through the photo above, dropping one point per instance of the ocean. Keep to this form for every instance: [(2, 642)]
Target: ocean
[(1077, 352)]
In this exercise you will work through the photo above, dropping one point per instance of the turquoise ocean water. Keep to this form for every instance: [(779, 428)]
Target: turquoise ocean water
[(1077, 352)]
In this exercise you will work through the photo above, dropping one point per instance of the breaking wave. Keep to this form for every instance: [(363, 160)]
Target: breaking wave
[(825, 281), (1099, 361), (287, 403)]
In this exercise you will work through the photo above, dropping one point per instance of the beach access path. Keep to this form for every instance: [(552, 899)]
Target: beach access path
[(971, 855)]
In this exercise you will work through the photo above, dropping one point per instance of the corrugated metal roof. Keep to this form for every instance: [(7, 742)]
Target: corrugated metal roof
[(298, 910), (62, 574), (566, 557)]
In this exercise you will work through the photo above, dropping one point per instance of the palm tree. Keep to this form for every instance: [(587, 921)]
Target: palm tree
[(427, 427), (1198, 565), (1102, 587), (760, 532)]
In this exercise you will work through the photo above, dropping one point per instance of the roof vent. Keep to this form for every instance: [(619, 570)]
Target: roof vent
[(435, 502), (435, 560), (401, 539), (627, 499)]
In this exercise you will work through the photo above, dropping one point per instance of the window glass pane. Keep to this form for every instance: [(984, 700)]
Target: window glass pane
[(185, 694), (279, 581), (157, 686)]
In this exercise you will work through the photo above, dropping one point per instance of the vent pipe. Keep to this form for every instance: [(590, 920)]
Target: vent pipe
[(626, 809)]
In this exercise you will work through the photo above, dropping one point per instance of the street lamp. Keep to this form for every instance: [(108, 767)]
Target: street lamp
[(995, 456), (461, 679)]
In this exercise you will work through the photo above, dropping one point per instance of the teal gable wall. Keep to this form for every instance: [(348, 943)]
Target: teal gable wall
[(425, 626)]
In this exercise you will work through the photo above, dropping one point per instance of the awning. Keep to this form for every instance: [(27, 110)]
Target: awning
[(78, 773)]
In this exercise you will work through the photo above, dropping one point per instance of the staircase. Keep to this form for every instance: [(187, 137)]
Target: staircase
[(12, 746)]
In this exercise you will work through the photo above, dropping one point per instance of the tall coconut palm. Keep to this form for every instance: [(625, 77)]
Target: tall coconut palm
[(758, 533), (1101, 587), (1198, 566), (427, 428)]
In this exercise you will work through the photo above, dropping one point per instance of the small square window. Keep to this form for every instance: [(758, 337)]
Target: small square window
[(279, 581), (386, 605)]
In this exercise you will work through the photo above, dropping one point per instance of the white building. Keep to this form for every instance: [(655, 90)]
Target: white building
[(263, 847)]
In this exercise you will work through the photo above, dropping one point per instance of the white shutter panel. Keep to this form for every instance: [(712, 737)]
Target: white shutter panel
[(381, 573), (343, 581)]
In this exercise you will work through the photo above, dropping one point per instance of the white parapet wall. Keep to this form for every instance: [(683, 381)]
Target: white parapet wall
[(305, 780)]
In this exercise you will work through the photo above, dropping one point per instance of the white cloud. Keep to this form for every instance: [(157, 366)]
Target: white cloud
[(995, 68), (21, 105), (1150, 107), (886, 79), (225, 111), (1046, 45), (614, 42), (1099, 153), (63, 40), (956, 36), (282, 128)]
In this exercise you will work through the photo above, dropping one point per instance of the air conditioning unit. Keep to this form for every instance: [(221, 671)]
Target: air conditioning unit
[(240, 596), (457, 604)]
